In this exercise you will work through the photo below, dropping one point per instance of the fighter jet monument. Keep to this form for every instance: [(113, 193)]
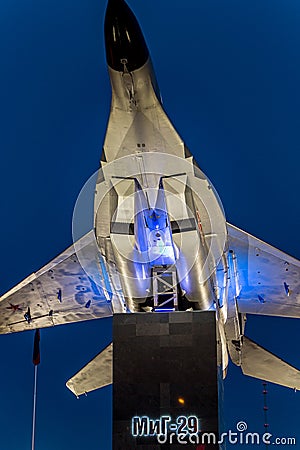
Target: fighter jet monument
[(161, 252)]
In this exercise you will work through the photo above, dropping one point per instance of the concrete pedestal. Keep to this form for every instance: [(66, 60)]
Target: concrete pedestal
[(165, 381)]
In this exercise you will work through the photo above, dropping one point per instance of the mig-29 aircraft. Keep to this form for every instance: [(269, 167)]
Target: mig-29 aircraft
[(160, 240)]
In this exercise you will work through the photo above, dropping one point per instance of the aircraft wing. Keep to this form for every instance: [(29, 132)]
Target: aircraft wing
[(61, 292), (268, 279)]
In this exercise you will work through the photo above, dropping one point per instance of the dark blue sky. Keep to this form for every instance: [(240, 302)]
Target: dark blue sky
[(229, 76)]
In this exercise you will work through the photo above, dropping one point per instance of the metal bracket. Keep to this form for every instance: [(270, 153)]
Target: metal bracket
[(164, 280)]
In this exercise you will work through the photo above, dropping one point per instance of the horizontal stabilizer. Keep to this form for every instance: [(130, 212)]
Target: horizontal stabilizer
[(95, 375), (260, 363)]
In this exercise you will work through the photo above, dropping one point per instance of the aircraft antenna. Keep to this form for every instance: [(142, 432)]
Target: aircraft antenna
[(265, 408)]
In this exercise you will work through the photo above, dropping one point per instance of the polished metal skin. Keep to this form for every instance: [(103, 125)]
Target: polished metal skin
[(147, 170), (156, 211)]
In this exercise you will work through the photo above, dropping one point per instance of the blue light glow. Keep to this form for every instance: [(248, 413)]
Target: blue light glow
[(108, 289)]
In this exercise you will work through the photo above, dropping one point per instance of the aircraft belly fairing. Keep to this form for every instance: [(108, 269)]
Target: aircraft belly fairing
[(189, 232)]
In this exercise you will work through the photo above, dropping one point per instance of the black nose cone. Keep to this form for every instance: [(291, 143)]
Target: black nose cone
[(124, 41)]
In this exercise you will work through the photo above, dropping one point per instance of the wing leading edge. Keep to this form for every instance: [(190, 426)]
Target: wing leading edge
[(61, 292)]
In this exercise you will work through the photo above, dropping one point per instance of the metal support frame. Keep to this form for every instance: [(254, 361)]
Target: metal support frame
[(164, 281)]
